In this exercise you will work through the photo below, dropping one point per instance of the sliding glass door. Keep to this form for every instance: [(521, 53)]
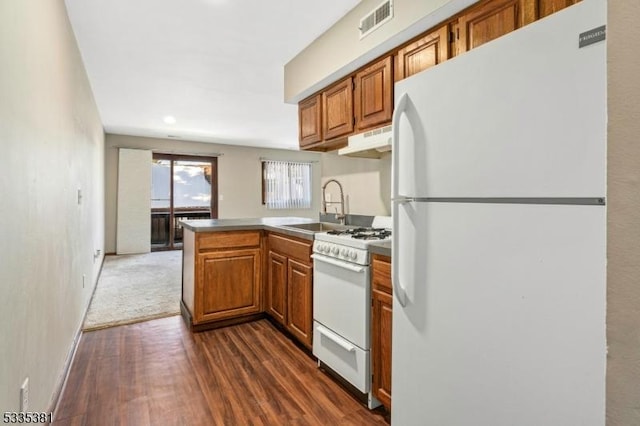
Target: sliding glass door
[(183, 187)]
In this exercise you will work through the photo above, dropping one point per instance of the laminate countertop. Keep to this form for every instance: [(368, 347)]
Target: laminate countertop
[(276, 224), (382, 247)]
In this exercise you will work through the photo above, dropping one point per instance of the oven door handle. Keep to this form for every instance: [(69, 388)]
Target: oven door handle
[(343, 343), (337, 262)]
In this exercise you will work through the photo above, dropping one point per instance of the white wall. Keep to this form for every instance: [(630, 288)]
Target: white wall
[(366, 183), (239, 177), (340, 51), (623, 209), (52, 145)]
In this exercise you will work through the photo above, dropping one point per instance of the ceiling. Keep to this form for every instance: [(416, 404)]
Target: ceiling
[(216, 66)]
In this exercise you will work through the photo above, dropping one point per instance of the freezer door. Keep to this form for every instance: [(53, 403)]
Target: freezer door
[(504, 322), (521, 116)]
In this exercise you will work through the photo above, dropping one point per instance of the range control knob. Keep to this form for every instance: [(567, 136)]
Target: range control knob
[(353, 255), (344, 252), (335, 250)]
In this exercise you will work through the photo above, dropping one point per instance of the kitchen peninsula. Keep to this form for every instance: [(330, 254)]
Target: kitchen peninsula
[(239, 270), (236, 270)]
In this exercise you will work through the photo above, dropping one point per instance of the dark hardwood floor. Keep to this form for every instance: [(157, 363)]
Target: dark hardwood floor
[(158, 373)]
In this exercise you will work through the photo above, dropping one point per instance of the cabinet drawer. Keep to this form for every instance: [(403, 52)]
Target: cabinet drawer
[(382, 274), (227, 240), (290, 248), (343, 357)]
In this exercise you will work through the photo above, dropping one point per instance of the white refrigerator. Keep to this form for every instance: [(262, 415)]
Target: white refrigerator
[(499, 232)]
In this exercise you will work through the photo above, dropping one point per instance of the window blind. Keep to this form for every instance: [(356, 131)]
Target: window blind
[(287, 184)]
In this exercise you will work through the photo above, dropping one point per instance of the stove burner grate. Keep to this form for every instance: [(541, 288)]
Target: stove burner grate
[(363, 233)]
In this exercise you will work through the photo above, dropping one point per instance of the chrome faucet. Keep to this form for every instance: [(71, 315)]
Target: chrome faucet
[(341, 215)]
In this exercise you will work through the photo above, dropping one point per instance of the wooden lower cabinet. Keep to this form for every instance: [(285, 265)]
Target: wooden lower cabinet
[(381, 318), (222, 275), (289, 292), (299, 301), (276, 295), (230, 284)]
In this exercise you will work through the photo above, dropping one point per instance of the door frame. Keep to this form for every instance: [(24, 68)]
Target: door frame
[(213, 206)]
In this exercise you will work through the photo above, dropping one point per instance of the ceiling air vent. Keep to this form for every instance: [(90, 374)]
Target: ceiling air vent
[(376, 18)]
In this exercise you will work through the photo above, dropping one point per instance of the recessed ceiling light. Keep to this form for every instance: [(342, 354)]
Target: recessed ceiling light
[(169, 119)]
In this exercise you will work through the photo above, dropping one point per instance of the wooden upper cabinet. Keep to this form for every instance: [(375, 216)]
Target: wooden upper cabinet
[(374, 94), (547, 7), (337, 107), (423, 53), (310, 120), (364, 100), (490, 20)]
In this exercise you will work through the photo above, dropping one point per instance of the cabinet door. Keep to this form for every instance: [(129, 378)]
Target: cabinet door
[(299, 301), (381, 321), (487, 21), (337, 108), (228, 284), (423, 53), (547, 7), (277, 287), (310, 120), (374, 94), (382, 313)]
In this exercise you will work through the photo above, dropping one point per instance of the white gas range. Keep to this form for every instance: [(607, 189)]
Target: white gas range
[(342, 302)]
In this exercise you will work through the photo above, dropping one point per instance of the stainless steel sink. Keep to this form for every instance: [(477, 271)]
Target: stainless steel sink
[(318, 226)]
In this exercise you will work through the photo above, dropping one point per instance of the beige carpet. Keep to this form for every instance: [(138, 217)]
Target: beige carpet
[(134, 288)]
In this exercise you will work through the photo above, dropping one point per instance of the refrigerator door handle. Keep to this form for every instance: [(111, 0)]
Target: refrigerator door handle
[(395, 145), (399, 109), (398, 291)]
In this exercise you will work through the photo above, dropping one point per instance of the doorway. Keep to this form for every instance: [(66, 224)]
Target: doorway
[(182, 188)]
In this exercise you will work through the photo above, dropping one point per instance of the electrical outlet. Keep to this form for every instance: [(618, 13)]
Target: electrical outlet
[(24, 396), (220, 197)]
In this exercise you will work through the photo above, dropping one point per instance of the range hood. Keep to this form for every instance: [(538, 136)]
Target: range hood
[(371, 144)]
